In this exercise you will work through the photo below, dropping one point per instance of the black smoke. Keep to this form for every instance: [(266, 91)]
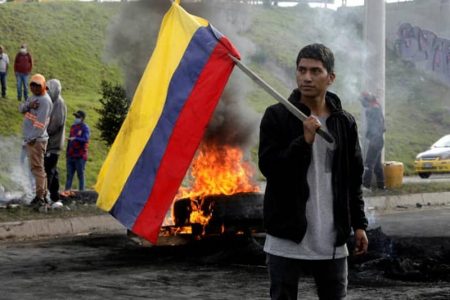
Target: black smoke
[(132, 38)]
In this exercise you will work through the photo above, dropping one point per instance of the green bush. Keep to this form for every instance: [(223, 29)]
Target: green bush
[(113, 111)]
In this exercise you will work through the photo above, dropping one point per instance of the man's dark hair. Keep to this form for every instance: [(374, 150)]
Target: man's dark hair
[(318, 52)]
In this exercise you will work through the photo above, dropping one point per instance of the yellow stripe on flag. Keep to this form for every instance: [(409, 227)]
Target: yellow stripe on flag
[(176, 32)]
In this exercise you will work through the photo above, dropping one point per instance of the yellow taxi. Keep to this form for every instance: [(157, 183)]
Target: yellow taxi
[(434, 160)]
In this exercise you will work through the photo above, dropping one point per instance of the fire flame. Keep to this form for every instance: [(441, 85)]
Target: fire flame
[(216, 170), (219, 170)]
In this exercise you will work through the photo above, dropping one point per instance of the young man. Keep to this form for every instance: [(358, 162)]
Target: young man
[(4, 64), (23, 64), (313, 195), (36, 110), (77, 150), (56, 130)]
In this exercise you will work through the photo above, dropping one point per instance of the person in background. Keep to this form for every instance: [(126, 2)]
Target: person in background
[(56, 129), (23, 64), (374, 135), (37, 110), (4, 64), (77, 150), (313, 196)]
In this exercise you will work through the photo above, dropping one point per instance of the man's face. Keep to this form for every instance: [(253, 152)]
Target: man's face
[(312, 78), (35, 88)]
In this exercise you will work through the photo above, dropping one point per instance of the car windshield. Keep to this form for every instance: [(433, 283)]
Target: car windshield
[(442, 142)]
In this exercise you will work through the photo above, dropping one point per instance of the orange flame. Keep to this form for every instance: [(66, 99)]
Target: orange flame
[(219, 170), (216, 170)]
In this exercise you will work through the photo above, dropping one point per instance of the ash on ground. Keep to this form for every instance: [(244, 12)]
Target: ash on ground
[(389, 259)]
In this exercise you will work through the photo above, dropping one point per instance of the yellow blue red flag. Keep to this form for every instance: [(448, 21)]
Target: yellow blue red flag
[(171, 108)]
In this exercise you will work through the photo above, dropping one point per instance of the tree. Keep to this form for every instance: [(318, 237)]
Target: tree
[(113, 111)]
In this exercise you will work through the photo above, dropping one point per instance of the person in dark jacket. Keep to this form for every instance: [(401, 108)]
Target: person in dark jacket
[(77, 151), (313, 196), (374, 135), (23, 64)]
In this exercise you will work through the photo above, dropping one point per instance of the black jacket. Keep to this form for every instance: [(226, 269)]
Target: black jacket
[(284, 158), (375, 125)]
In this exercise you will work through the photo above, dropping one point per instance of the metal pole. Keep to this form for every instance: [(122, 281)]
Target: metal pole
[(294, 110), (374, 36)]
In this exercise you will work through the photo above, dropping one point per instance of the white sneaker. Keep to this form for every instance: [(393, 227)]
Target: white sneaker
[(57, 204)]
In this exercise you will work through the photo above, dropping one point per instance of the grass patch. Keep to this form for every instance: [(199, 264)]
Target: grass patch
[(24, 213), (67, 44)]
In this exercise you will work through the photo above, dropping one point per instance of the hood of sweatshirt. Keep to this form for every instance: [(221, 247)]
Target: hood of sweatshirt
[(54, 89)]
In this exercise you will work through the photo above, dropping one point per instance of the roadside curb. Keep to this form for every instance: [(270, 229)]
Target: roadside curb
[(50, 228), (389, 202)]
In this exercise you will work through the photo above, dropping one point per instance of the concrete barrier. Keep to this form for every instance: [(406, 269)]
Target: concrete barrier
[(46, 228), (392, 201)]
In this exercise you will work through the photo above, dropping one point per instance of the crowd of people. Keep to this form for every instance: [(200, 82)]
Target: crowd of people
[(45, 113)]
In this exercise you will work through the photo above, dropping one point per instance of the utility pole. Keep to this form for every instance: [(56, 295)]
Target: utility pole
[(374, 38)]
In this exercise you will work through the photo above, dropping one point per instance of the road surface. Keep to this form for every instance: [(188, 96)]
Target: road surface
[(113, 267)]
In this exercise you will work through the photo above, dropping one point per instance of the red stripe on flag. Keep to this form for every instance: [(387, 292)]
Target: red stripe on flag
[(184, 141)]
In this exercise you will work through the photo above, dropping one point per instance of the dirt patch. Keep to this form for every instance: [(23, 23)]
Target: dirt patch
[(412, 259)]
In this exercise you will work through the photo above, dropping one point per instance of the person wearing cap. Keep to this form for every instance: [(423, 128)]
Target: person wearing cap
[(56, 132), (374, 135), (77, 150), (4, 64), (23, 64), (36, 110)]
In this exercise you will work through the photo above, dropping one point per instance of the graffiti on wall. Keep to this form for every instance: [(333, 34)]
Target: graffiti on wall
[(424, 49)]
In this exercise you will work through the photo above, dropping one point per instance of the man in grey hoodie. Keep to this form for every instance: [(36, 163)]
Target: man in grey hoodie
[(56, 132), (36, 110)]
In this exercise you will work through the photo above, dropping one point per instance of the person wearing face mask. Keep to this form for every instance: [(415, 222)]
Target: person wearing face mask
[(23, 64), (77, 151), (4, 64), (56, 138)]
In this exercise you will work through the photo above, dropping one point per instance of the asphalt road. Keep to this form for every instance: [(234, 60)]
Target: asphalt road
[(432, 178), (414, 222), (110, 267), (113, 267)]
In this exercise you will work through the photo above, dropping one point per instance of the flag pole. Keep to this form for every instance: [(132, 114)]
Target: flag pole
[(294, 110)]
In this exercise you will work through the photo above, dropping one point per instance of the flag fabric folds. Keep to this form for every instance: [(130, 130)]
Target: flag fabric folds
[(173, 103)]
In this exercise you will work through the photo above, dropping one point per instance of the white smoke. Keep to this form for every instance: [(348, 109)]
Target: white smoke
[(15, 179)]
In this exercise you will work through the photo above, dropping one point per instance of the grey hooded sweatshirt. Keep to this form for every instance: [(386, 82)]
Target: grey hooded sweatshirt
[(56, 127), (36, 120)]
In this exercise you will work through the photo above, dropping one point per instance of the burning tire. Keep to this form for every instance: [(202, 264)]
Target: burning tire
[(240, 213)]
